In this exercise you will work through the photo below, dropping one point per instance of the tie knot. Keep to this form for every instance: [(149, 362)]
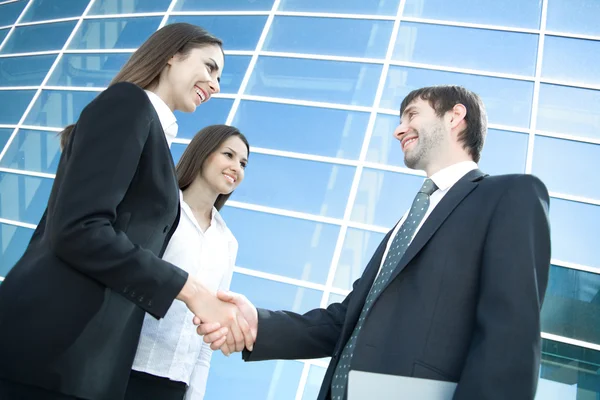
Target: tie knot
[(428, 187)]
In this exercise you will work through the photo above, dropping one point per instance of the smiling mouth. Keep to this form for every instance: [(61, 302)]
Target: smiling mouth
[(201, 94), (230, 178), (406, 142)]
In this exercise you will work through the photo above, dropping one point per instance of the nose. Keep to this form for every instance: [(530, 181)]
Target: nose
[(400, 130), (214, 86)]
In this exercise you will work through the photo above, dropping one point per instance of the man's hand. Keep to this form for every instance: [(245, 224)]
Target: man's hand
[(248, 318)]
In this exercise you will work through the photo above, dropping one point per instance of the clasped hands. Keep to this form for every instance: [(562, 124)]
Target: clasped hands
[(228, 321)]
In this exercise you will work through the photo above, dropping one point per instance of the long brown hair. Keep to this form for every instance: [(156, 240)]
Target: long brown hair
[(205, 142), (145, 65)]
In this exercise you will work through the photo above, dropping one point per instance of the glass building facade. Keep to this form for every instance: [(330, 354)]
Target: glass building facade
[(316, 86)]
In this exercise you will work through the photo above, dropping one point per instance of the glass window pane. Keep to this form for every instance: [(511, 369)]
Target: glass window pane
[(575, 232), (238, 32), (9, 13), (384, 148), (297, 185), (114, 33), (4, 136), (574, 16), (88, 70), (572, 304), (379, 7), (37, 151), (313, 382), (58, 108), (316, 80), (482, 49), (306, 254), (504, 152), (578, 166), (344, 130), (13, 241), (43, 37), (335, 298), (3, 33), (515, 13), (570, 59), (232, 378), (233, 73), (220, 5), (568, 372), (507, 101), (43, 10), (330, 36), (24, 71), (215, 111), (383, 197), (569, 110), (128, 6), (23, 198), (358, 248), (14, 104)]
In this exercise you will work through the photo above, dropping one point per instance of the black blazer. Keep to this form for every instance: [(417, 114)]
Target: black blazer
[(72, 308), (463, 304)]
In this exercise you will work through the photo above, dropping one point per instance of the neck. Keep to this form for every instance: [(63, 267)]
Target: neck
[(445, 162), (200, 199), (162, 93)]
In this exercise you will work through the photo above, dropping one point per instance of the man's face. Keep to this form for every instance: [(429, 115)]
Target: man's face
[(421, 133)]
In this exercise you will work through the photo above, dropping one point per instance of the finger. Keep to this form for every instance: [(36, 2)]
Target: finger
[(214, 336), (196, 320), (208, 327), (238, 337), (217, 344), (226, 296), (225, 350), (245, 328)]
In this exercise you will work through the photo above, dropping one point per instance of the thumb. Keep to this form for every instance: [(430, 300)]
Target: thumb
[(226, 296)]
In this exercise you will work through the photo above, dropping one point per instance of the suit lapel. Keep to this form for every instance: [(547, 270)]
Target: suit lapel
[(437, 217)]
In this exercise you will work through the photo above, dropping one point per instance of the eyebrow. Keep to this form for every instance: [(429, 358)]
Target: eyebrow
[(215, 67), (234, 152)]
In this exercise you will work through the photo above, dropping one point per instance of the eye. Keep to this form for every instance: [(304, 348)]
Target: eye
[(243, 164), (210, 67), (228, 154)]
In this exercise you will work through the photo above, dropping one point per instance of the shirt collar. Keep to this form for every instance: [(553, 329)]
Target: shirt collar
[(447, 177), (165, 115), (215, 218)]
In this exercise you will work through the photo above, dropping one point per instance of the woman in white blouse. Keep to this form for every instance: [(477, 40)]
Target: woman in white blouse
[(172, 361)]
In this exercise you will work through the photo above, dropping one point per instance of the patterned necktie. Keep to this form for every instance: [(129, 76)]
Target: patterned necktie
[(396, 251)]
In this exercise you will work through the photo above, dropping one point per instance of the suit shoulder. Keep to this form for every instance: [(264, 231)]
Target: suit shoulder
[(522, 182), (124, 97)]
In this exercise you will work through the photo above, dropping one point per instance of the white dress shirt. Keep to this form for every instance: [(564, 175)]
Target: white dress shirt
[(165, 115), (444, 180), (170, 347)]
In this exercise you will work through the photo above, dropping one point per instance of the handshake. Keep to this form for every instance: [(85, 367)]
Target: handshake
[(228, 321)]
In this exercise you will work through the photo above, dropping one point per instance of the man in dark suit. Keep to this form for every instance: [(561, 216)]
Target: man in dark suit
[(454, 291)]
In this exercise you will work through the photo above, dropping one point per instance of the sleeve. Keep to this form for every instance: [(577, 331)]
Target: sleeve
[(199, 378), (103, 159), (504, 357)]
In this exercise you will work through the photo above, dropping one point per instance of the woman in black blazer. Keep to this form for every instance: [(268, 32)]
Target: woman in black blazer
[(72, 307)]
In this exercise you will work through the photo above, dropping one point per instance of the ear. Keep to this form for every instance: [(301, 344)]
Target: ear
[(172, 59), (457, 116)]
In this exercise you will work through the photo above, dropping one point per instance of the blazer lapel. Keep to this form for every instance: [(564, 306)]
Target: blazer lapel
[(437, 217)]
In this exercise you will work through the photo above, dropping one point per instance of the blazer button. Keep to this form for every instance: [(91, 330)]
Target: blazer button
[(141, 299), (132, 294), (126, 289), (166, 229), (149, 303)]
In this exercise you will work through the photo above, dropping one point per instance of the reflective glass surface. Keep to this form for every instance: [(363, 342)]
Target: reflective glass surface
[(507, 102), (574, 16), (14, 103), (58, 108), (238, 32), (572, 305), (9, 12), (128, 6), (23, 198), (569, 110), (214, 111), (304, 255), (569, 60), (13, 241), (24, 71), (515, 13), (383, 197), (233, 73), (42, 10), (114, 33), (504, 152), (3, 34), (316, 80), (313, 130), (482, 49), (567, 167), (220, 5), (4, 136), (331, 36), (42, 37), (378, 7), (313, 382), (37, 151), (359, 246), (89, 70), (575, 232), (299, 185)]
